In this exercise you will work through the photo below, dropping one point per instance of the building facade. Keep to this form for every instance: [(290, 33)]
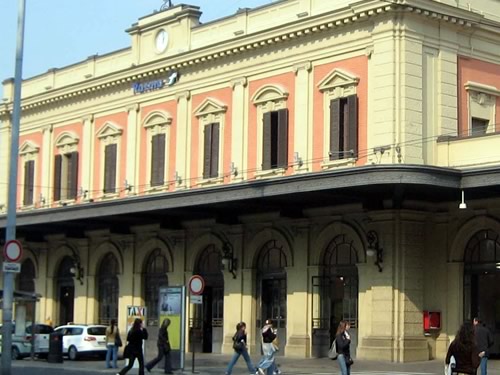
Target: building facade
[(307, 158)]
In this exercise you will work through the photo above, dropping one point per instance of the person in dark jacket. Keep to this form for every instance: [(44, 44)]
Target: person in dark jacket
[(343, 343), (484, 341), (163, 344), (240, 349), (464, 349), (135, 337), (269, 348)]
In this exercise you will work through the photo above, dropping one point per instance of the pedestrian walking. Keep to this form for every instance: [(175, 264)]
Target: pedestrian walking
[(464, 350), (267, 362), (133, 350), (113, 341), (164, 348), (484, 341), (240, 349), (343, 342)]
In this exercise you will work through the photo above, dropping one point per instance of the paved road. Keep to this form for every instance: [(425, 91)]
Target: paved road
[(215, 365)]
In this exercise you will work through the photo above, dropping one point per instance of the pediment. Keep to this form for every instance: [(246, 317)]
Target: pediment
[(269, 93), (209, 106), (109, 130), (67, 139), (337, 78), (157, 118), (28, 148)]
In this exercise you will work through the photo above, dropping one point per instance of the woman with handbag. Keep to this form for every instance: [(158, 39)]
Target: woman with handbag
[(465, 351), (163, 344), (343, 343), (240, 349), (113, 342), (133, 350), (269, 347)]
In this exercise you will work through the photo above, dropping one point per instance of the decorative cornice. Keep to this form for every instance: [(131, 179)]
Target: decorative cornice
[(242, 81), (305, 65), (183, 95)]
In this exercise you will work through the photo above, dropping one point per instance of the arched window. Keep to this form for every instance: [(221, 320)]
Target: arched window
[(483, 248), (155, 276), (272, 258), (26, 279), (108, 289)]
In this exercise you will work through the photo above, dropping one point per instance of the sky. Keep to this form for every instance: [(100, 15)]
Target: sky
[(62, 32)]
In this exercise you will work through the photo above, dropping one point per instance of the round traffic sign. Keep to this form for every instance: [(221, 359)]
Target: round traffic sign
[(13, 251), (196, 285)]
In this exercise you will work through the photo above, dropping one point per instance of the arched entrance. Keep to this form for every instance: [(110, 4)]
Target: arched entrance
[(155, 277), (482, 282), (25, 282), (108, 289), (209, 316), (272, 289), (65, 285), (339, 287)]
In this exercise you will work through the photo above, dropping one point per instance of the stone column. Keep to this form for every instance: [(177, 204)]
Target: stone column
[(81, 287), (87, 156), (133, 142), (46, 160), (302, 131), (239, 129), (183, 135), (454, 299), (249, 309)]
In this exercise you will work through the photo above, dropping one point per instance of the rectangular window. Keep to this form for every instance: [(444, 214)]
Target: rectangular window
[(110, 169), (275, 139), (29, 182), (344, 128), (211, 151), (158, 160), (479, 126), (66, 176)]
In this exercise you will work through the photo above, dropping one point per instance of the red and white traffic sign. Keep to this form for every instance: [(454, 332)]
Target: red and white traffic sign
[(196, 285), (13, 251)]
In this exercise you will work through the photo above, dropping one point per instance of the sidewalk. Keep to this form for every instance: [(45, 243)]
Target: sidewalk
[(211, 364)]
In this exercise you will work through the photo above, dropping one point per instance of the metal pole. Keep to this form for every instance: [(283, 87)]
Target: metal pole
[(8, 277)]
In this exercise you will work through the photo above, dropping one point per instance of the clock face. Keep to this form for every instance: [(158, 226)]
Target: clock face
[(161, 40)]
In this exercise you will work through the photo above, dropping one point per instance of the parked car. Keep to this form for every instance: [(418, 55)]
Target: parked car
[(21, 344), (80, 339)]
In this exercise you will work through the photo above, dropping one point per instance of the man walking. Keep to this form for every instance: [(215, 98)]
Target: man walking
[(484, 341)]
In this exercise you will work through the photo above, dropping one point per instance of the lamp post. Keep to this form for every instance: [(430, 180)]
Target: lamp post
[(8, 277)]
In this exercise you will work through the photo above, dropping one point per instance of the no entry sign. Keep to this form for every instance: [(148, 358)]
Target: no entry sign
[(13, 251), (196, 285)]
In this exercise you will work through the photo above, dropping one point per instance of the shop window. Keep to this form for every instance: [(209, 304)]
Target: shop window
[(482, 101), (110, 137), (157, 126), (211, 118), (28, 153), (66, 167), (339, 90), (155, 277)]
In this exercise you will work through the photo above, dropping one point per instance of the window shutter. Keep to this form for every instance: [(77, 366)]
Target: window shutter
[(207, 143), (29, 174), (335, 129), (110, 169), (154, 160), (160, 159), (214, 157), (352, 126), (73, 175), (266, 141), (57, 177), (283, 137)]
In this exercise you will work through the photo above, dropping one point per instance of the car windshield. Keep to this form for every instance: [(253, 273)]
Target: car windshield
[(41, 328), (97, 331)]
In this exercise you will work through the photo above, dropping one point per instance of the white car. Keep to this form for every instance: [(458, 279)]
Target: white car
[(79, 340)]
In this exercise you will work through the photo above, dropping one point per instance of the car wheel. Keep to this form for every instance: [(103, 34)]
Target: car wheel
[(72, 353), (15, 353)]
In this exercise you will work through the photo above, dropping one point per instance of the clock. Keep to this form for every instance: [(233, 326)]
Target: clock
[(161, 40)]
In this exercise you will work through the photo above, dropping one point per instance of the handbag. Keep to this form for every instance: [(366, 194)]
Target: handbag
[(118, 340), (332, 353), (349, 361), (238, 345)]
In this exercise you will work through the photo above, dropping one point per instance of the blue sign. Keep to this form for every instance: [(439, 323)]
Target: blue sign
[(140, 88)]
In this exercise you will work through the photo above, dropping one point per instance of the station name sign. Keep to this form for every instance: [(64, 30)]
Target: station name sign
[(140, 88)]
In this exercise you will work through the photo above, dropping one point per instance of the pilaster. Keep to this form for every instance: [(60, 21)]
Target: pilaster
[(239, 130), (183, 137), (45, 166), (5, 134), (87, 155), (133, 142), (303, 135), (249, 309)]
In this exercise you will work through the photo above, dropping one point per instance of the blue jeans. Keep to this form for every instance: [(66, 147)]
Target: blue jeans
[(344, 369), (112, 351), (235, 358), (484, 365)]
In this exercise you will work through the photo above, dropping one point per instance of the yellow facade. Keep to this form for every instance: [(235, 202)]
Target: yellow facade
[(420, 78)]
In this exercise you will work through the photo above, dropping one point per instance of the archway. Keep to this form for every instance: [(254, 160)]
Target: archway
[(482, 282), (272, 288), (108, 288), (25, 282), (65, 289), (154, 277), (210, 316), (338, 287)]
